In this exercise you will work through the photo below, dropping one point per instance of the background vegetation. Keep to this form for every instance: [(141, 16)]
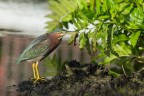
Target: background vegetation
[(114, 29)]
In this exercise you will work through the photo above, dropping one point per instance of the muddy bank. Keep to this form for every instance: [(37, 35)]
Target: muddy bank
[(85, 80)]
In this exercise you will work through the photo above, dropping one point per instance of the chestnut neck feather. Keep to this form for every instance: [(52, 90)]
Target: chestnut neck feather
[(54, 41)]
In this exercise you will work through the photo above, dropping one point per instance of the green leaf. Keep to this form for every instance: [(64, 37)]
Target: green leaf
[(72, 38), (127, 8), (67, 18), (98, 6), (75, 22), (134, 38), (94, 42), (98, 56), (120, 38), (107, 60), (93, 4), (54, 65), (115, 74), (122, 49), (82, 40), (132, 25), (88, 45), (61, 12), (109, 39)]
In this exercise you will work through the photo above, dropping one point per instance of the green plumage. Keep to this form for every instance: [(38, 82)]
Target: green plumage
[(41, 47), (38, 47)]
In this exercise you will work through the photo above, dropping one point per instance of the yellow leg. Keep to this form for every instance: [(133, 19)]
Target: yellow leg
[(37, 72), (36, 75), (34, 71)]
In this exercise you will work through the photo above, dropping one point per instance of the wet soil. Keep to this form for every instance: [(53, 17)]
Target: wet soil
[(85, 80)]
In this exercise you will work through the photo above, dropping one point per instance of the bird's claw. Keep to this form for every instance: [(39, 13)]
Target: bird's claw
[(39, 79)]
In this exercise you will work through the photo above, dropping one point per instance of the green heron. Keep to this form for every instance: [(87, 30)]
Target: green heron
[(39, 49)]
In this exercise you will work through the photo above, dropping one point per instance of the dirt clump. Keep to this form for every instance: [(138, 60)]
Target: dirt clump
[(85, 80)]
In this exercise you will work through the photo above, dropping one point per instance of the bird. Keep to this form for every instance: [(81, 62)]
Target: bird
[(39, 49)]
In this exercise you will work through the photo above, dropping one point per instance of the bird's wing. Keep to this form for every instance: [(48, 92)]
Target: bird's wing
[(38, 39), (35, 49)]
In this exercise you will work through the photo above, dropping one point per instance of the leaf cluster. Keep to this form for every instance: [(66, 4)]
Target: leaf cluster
[(113, 27)]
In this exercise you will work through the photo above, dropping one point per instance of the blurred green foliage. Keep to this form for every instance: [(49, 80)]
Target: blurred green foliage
[(113, 27), (54, 64)]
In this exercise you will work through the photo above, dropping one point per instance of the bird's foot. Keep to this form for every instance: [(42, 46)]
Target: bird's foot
[(39, 79)]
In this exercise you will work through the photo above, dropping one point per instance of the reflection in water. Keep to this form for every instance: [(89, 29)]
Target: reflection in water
[(12, 73)]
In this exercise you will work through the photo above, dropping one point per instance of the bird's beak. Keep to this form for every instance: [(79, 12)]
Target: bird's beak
[(67, 33), (62, 34)]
